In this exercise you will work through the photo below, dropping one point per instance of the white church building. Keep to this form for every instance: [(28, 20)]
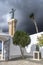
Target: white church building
[(8, 50)]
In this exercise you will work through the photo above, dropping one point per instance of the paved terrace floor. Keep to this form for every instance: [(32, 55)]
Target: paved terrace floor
[(27, 61)]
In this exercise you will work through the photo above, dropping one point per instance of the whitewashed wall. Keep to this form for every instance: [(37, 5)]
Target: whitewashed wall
[(15, 50), (32, 46)]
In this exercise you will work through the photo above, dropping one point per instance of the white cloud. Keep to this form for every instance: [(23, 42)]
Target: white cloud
[(6, 17)]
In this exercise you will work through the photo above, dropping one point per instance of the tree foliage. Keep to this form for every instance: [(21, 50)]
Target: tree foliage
[(21, 38), (32, 15), (40, 40)]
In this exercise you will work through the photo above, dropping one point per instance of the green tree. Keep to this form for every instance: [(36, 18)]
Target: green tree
[(32, 16), (40, 40), (22, 39)]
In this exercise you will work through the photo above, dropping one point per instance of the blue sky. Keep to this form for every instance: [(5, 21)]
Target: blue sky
[(23, 9)]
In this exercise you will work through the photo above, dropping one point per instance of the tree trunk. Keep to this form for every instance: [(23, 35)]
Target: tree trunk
[(35, 25), (22, 52)]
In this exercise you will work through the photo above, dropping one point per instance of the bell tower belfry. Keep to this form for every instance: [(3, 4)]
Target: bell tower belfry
[(12, 24)]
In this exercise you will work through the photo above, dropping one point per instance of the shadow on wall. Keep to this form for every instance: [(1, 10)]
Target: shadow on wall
[(29, 51)]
